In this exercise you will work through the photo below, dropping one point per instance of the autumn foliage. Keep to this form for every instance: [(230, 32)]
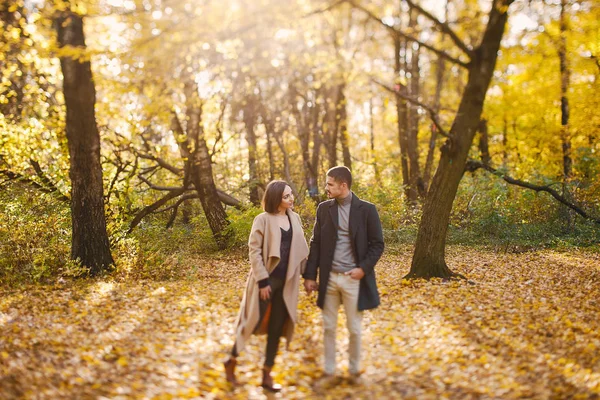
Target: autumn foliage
[(524, 326)]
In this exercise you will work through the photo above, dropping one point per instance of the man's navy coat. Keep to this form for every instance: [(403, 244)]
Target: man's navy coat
[(367, 244)]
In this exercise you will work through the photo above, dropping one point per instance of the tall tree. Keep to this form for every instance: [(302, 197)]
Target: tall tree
[(484, 147), (429, 255), (201, 167), (342, 118), (90, 243), (565, 80), (417, 189), (250, 116)]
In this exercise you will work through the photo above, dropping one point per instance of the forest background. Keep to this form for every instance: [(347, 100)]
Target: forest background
[(137, 137), (287, 90)]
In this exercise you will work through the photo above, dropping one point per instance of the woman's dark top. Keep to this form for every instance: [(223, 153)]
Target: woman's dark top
[(280, 270)]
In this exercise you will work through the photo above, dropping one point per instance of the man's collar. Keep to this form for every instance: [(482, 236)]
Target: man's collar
[(346, 200)]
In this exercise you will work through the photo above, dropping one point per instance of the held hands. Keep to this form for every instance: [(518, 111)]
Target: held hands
[(310, 285), (265, 292), (356, 273)]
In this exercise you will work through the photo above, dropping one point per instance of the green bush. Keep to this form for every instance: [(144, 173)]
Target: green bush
[(35, 236), (35, 230)]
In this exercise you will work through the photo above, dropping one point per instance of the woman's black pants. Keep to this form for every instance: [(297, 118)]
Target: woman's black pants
[(278, 317)]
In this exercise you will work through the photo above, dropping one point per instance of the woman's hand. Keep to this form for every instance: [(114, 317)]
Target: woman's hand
[(265, 293)]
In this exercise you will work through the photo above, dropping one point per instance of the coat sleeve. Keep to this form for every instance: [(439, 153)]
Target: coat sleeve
[(312, 265), (303, 263), (255, 249), (375, 241)]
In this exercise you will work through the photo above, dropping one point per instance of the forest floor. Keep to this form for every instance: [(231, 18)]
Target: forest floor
[(528, 326)]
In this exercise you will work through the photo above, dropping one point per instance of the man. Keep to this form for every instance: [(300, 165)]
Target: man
[(346, 244)]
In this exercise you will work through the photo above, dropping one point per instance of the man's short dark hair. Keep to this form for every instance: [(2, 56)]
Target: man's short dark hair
[(341, 175), (273, 196)]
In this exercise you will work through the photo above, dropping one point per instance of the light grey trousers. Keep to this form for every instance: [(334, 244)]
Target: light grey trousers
[(342, 289)]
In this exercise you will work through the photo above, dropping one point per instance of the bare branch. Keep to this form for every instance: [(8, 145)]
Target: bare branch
[(324, 9), (161, 162), (219, 126), (432, 114), (13, 176), (411, 38), (162, 188), (46, 181), (444, 27), (148, 170), (153, 207), (225, 198), (473, 165), (229, 200), (120, 168), (175, 207), (179, 201)]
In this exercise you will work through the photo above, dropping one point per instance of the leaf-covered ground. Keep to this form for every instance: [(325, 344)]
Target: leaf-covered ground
[(529, 327)]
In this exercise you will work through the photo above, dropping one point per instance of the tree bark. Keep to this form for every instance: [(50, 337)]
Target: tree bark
[(402, 117), (565, 78), (331, 126), (565, 136), (416, 181), (270, 126), (303, 124), (317, 137), (270, 155), (90, 244), (429, 255), (342, 117), (250, 117), (372, 141), (483, 142), (505, 143), (436, 108), (201, 173), (441, 69)]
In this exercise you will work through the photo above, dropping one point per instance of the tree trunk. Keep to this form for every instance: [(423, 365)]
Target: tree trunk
[(436, 108), (331, 125), (342, 117), (416, 181), (372, 137), (250, 123), (565, 78), (270, 126), (303, 124), (505, 143), (317, 138), (402, 117), (429, 255), (270, 155), (201, 168), (90, 243), (286, 162), (483, 142)]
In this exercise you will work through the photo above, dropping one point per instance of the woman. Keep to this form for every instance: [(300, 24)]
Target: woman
[(278, 253)]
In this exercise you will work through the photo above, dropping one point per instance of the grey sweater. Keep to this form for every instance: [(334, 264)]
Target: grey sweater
[(343, 257)]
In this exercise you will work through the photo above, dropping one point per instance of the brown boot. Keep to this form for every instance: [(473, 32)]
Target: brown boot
[(230, 370), (267, 382)]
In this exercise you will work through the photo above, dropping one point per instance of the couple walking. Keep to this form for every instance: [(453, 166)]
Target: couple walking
[(346, 244)]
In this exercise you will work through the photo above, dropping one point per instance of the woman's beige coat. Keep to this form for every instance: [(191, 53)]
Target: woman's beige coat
[(264, 245)]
